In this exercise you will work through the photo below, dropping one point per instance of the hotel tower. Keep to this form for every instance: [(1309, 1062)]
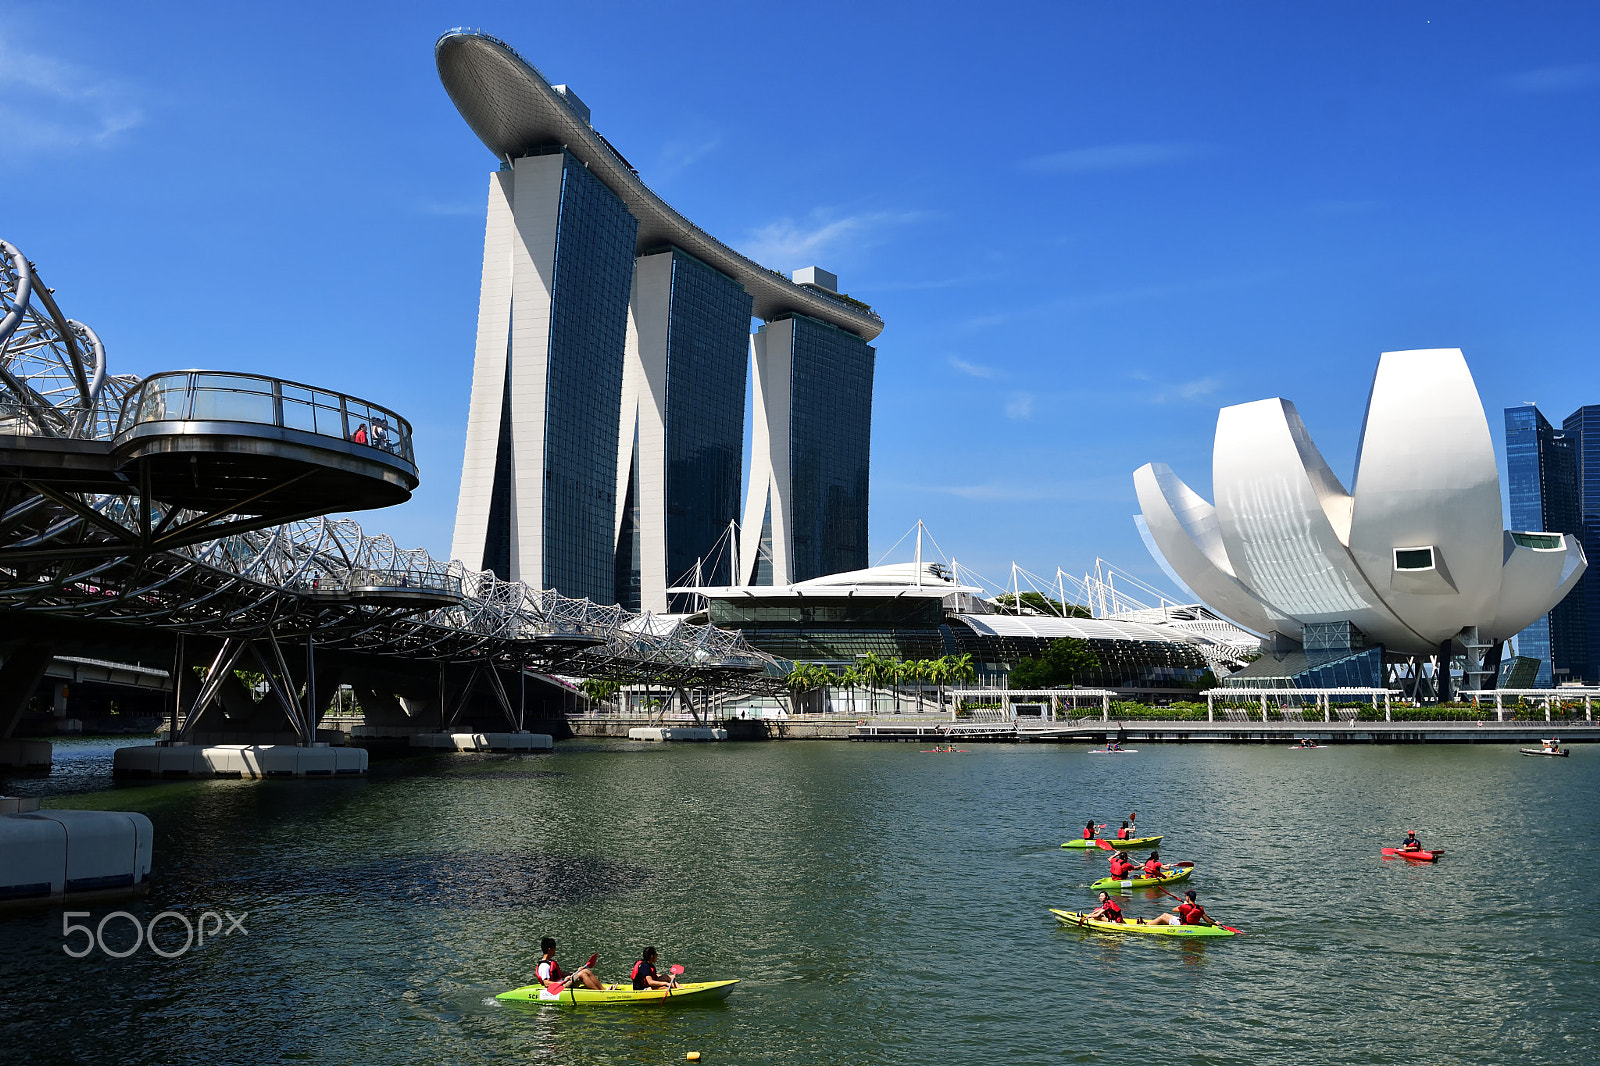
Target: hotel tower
[(606, 426)]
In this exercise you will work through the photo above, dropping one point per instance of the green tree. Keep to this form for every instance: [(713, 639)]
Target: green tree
[(1061, 664), (1039, 603), (807, 678), (599, 689)]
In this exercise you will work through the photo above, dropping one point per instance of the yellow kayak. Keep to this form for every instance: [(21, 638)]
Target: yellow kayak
[(1121, 845), (1169, 875), (1076, 920), (621, 995)]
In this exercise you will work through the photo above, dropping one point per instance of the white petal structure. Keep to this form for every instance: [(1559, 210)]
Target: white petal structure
[(1412, 556)]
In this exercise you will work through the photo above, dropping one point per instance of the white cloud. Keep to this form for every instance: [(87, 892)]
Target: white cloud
[(679, 155), (49, 105), (999, 492), (1020, 406), (977, 370), (1168, 391), (1554, 79), (788, 245), (1109, 157)]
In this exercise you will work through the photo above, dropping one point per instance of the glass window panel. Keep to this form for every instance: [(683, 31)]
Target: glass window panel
[(298, 415), (216, 405), (240, 382)]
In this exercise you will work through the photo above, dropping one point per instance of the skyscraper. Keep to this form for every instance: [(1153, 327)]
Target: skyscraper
[(1583, 426), (1545, 496), (681, 447), (604, 440), (806, 509), (538, 485)]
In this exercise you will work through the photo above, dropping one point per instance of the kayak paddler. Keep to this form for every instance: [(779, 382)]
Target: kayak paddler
[(1189, 913), (550, 973), (1152, 865), (1122, 833), (1121, 865), (644, 972), (1411, 843), (1088, 829), (1108, 911)]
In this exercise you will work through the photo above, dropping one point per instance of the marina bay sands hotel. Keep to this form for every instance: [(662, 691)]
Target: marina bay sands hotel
[(606, 431)]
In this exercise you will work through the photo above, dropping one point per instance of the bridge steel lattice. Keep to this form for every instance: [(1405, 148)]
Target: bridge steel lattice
[(195, 504)]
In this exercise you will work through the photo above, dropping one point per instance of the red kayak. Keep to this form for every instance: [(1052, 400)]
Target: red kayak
[(1413, 856)]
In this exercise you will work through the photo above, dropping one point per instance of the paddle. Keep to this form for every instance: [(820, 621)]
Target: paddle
[(675, 970), (1210, 919), (566, 982)]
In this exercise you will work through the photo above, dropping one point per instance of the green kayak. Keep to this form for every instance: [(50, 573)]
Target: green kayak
[(1073, 918), (1122, 845), (1169, 874)]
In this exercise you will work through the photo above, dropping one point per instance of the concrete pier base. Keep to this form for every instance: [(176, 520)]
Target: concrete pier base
[(237, 760), (483, 741), (677, 732), (58, 856), (29, 755)]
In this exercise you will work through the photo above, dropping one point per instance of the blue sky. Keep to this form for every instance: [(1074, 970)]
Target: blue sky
[(1087, 225)]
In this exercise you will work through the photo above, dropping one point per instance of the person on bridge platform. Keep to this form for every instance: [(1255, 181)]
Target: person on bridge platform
[(550, 972)]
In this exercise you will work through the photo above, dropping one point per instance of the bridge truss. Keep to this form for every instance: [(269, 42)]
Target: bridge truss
[(87, 534)]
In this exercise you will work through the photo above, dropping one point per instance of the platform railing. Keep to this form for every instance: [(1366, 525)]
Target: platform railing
[(209, 396)]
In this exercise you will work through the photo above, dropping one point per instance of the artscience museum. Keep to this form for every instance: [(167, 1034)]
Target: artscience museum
[(1408, 571)]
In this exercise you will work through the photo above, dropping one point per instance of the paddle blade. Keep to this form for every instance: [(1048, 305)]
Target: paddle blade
[(592, 960), (1104, 845), (1184, 865), (675, 970), (1231, 929)]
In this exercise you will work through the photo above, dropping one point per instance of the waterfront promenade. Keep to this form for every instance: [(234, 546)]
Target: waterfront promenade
[(928, 728)]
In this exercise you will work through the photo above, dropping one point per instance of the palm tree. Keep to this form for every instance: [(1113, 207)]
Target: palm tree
[(957, 668), (849, 678), (807, 678), (872, 670)]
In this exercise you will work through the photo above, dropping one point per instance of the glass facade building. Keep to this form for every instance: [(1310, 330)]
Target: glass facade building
[(1544, 493), (1583, 428), (564, 277), (699, 416), (830, 439)]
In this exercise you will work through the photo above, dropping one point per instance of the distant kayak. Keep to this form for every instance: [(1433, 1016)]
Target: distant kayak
[(944, 751), (1123, 845), (1306, 747), (1413, 856), (1113, 751), (1169, 874), (621, 995), (1078, 921)]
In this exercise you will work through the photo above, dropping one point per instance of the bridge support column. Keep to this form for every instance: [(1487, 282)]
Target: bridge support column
[(23, 670)]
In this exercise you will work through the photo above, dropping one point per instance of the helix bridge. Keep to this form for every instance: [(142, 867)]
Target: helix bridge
[(189, 510)]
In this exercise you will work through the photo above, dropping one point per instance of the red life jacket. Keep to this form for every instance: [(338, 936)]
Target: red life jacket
[(553, 982), (1122, 834), (1111, 912), (1120, 867), (1152, 867), (1088, 833), (1191, 914)]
